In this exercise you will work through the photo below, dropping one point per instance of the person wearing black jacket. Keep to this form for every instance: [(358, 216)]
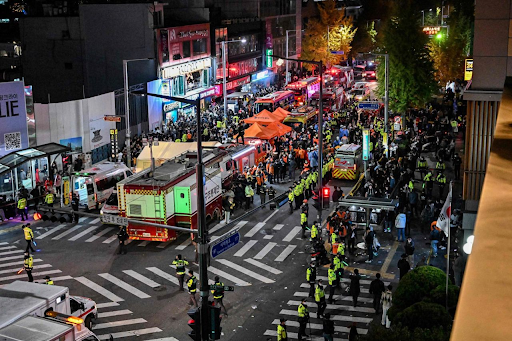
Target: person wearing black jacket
[(352, 238), (355, 288), (122, 236), (403, 266), (328, 327), (377, 288)]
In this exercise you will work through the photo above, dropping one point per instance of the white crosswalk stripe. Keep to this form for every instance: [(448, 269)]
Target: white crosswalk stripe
[(114, 312), (278, 227), (183, 245), (266, 249), (286, 252), (338, 297), (363, 290), (119, 323), (61, 278), (11, 252), (292, 234), (99, 289), (129, 333), (107, 305), (245, 271), (320, 326), (347, 307), (122, 284), (11, 257), (223, 274), (95, 221), (164, 244), (142, 278), (333, 317), (263, 266), (8, 247), (164, 275), (34, 274), (65, 233), (290, 335), (245, 248), (51, 231), (83, 233), (110, 239), (13, 271), (254, 230), (4, 243), (20, 263), (99, 234)]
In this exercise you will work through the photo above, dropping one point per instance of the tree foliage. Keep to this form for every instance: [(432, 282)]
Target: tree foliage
[(411, 81), (332, 31), (400, 333)]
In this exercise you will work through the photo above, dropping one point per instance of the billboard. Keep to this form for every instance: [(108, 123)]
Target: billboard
[(366, 144), (13, 117)]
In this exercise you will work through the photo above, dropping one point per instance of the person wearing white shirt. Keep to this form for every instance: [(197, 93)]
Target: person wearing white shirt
[(400, 222)]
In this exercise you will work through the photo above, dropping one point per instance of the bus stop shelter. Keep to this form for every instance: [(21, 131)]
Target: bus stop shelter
[(354, 204)]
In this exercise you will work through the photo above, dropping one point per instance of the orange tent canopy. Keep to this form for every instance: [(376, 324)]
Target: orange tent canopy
[(281, 112), (261, 132), (280, 128), (264, 117)]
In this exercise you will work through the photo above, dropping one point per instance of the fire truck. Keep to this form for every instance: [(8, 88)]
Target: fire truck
[(347, 162), (169, 195)]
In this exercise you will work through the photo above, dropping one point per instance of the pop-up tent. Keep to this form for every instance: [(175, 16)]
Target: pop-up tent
[(261, 132), (264, 117), (279, 128), (280, 112)]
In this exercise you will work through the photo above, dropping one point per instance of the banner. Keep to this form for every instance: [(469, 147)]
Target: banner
[(366, 144), (443, 222), (13, 117)]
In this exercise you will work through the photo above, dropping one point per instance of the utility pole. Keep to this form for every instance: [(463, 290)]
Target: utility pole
[(320, 143)]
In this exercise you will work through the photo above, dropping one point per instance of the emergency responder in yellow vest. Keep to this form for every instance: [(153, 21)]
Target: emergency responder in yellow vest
[(291, 198), (48, 280), (218, 294), (339, 268), (440, 166), (314, 232), (28, 264), (428, 183), (441, 182), (180, 269), (22, 208), (331, 275), (281, 331), (184, 137), (334, 238), (411, 185), (178, 140), (311, 278), (303, 223), (29, 236), (422, 166), (297, 192), (320, 299), (303, 313), (192, 288), (48, 199)]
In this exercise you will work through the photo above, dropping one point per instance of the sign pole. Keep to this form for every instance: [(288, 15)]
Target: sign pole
[(449, 244)]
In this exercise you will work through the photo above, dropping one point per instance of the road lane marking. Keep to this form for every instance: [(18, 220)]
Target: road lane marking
[(61, 278), (333, 317), (137, 332), (263, 266), (292, 234), (107, 305), (10, 252), (99, 234), (286, 252), (320, 326), (65, 233), (122, 284), (20, 263), (278, 227), (110, 239), (119, 323), (347, 307), (254, 230), (95, 221), (11, 258), (245, 248), (142, 278), (51, 231), (144, 243), (164, 244), (223, 274), (183, 245), (99, 289), (164, 275), (265, 250), (8, 247), (270, 216), (389, 258), (34, 274), (83, 233), (245, 271), (13, 271), (337, 297), (113, 312), (363, 290)]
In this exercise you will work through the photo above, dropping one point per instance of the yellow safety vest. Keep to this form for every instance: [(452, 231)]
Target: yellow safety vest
[(302, 310), (291, 197), (314, 231), (319, 293), (192, 284), (28, 233), (49, 198), (50, 282), (281, 333), (332, 276), (303, 218), (22, 203), (28, 263)]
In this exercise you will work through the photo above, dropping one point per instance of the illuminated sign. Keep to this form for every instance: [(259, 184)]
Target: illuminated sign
[(431, 30), (468, 69), (259, 75), (185, 68), (366, 144), (269, 59)]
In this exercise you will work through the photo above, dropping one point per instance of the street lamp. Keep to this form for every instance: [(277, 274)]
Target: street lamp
[(320, 124), (224, 62), (127, 109), (287, 55)]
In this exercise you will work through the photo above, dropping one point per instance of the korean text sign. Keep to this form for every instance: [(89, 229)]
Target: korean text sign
[(13, 118)]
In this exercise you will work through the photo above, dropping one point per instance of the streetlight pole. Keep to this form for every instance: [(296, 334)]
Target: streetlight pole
[(127, 109), (224, 63)]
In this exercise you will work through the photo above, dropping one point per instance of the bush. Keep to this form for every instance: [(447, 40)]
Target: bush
[(424, 315), (400, 333), (439, 295), (416, 286)]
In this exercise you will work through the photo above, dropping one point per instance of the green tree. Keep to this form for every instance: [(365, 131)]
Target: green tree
[(411, 80), (332, 31), (400, 333)]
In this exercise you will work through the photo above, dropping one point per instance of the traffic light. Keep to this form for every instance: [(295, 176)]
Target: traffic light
[(326, 192), (215, 319), (195, 323)]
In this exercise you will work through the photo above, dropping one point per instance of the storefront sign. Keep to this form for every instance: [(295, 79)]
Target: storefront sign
[(176, 43), (468, 69), (259, 75), (13, 117), (189, 32), (170, 106), (366, 144), (238, 82), (183, 69), (207, 93), (431, 30)]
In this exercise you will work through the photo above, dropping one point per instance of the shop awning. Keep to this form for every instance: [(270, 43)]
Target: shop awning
[(260, 132), (15, 159), (265, 117)]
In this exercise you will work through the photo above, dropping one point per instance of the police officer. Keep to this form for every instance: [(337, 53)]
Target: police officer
[(74, 205), (291, 198), (441, 182), (331, 275), (22, 208), (122, 235), (304, 224), (28, 265), (48, 280), (192, 288), (428, 183), (281, 330), (422, 166), (314, 232), (311, 278), (320, 299), (180, 269), (303, 314), (339, 268), (48, 199), (271, 195), (218, 294), (29, 236)]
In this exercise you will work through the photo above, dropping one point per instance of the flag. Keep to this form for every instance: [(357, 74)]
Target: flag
[(443, 222)]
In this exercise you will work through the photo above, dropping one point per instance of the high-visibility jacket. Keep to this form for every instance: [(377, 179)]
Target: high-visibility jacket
[(303, 218), (192, 284), (310, 274), (49, 282), (319, 293), (332, 276), (441, 179), (427, 177), (302, 311), (281, 333), (440, 165), (411, 185), (28, 263), (180, 266), (178, 140), (236, 118), (184, 137), (218, 292), (29, 235), (314, 232), (291, 197), (422, 164), (297, 191), (219, 124), (337, 263), (333, 238), (249, 192), (22, 203), (49, 198)]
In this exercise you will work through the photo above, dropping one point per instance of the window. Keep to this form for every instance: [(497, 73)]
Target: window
[(205, 78), (186, 49), (178, 88), (74, 305), (199, 46)]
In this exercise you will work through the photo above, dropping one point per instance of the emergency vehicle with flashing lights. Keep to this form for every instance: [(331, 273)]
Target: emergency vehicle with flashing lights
[(278, 99), (304, 89), (333, 99), (347, 162), (299, 118), (168, 196)]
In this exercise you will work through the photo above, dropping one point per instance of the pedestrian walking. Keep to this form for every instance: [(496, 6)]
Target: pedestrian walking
[(320, 299), (352, 239), (400, 222), (355, 287), (192, 288), (28, 265), (303, 314), (218, 294), (180, 264), (122, 236), (249, 193), (311, 278), (281, 330), (368, 239), (75, 201), (409, 251), (328, 327), (435, 237), (353, 334), (403, 266), (29, 236), (376, 289), (387, 298)]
